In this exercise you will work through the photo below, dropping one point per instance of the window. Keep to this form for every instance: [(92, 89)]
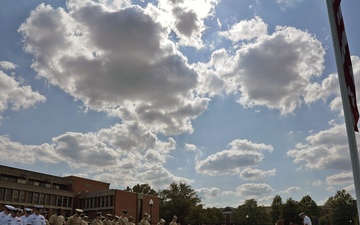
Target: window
[(21, 181), (2, 194), (8, 196), (110, 200), (103, 201), (69, 204), (59, 201), (65, 199), (22, 196), (8, 178), (15, 197), (36, 183), (47, 199), (41, 199), (30, 196), (35, 198)]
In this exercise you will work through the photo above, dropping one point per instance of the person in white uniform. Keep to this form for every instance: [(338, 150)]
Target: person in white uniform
[(306, 219), (13, 219), (36, 218)]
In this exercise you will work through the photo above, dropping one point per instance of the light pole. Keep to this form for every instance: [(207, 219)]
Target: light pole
[(151, 202), (247, 219)]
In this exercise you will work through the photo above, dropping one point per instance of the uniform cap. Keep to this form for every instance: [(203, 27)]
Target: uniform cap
[(19, 210), (301, 214), (146, 214), (38, 207), (162, 221), (79, 210), (108, 215), (117, 217), (124, 211), (130, 217), (28, 210), (98, 213), (175, 217), (10, 207), (86, 217)]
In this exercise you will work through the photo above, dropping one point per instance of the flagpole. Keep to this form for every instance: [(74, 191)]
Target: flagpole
[(341, 49)]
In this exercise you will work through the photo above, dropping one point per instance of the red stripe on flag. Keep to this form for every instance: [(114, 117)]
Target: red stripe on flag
[(346, 60)]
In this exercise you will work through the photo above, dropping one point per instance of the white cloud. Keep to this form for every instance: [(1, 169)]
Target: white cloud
[(340, 179), (14, 95), (257, 70), (256, 174), (287, 3), (32, 153), (291, 190), (327, 149), (190, 147), (186, 18), (208, 192), (242, 155), (246, 30), (81, 50), (7, 65), (317, 183), (253, 190)]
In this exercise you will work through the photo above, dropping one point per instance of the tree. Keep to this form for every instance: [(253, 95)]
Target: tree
[(178, 200), (309, 207), (290, 211), (276, 208), (251, 213), (144, 189), (342, 208), (200, 215)]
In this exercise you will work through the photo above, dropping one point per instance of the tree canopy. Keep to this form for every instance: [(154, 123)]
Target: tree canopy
[(144, 189), (178, 200)]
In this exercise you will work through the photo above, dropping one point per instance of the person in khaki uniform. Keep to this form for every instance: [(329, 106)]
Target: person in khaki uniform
[(145, 219), (115, 220), (107, 220), (44, 214), (97, 220), (85, 219), (131, 219), (123, 220), (173, 222), (75, 219), (57, 218), (161, 222)]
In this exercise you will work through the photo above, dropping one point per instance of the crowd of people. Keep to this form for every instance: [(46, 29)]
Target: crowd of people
[(36, 216)]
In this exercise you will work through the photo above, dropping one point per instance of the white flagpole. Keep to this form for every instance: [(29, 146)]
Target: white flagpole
[(349, 119)]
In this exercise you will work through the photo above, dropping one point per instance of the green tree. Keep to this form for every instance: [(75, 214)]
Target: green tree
[(276, 208), (309, 206), (342, 208), (290, 211), (251, 214), (196, 215), (200, 215), (144, 189), (178, 200)]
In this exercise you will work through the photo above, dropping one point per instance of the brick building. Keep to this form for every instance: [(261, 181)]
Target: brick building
[(23, 188)]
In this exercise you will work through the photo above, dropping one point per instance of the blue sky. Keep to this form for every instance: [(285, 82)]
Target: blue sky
[(239, 99)]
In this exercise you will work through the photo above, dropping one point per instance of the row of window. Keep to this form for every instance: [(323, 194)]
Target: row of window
[(36, 198), (13, 179), (97, 202)]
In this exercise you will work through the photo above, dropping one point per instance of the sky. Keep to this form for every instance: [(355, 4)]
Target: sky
[(237, 98)]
